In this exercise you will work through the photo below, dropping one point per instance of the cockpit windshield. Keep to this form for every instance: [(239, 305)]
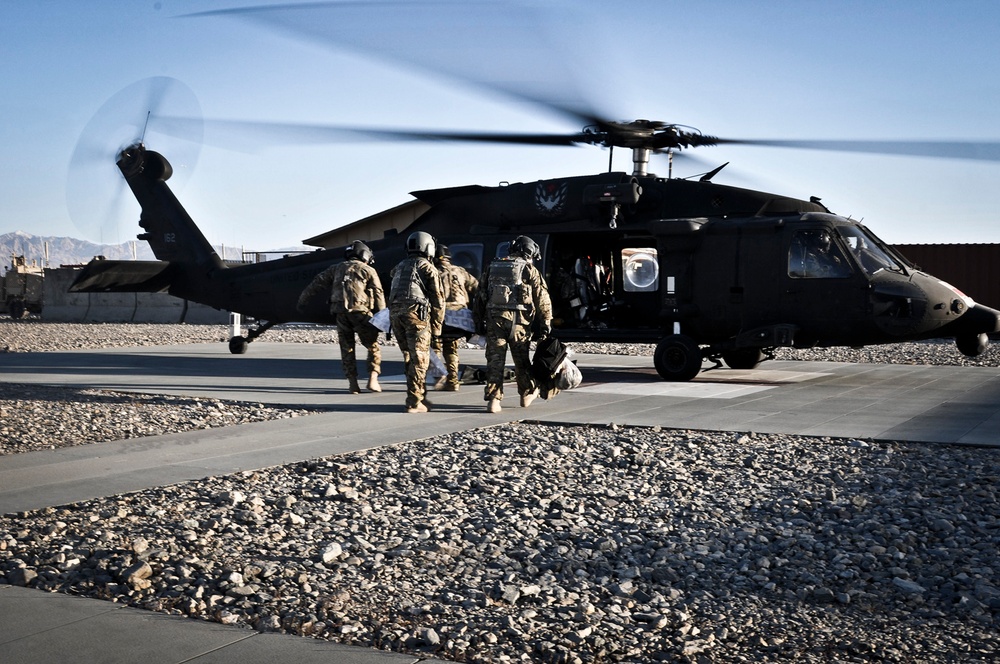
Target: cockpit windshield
[(867, 252)]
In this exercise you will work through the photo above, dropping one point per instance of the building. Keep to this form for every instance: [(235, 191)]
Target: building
[(374, 227), (974, 269)]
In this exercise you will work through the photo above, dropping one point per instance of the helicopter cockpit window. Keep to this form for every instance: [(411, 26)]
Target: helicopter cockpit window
[(814, 254), (867, 252), (641, 270)]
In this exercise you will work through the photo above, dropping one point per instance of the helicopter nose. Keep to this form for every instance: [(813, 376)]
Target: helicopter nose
[(916, 305), (976, 320), (900, 307)]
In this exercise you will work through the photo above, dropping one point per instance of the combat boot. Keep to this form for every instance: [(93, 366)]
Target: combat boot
[(373, 385), (440, 383), (352, 386), (526, 399), (493, 406), (419, 408)]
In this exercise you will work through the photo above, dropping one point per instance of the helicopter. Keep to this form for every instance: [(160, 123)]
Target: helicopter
[(703, 270)]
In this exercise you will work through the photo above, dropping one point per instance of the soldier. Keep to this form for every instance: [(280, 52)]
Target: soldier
[(416, 311), (459, 290), (355, 294), (516, 301)]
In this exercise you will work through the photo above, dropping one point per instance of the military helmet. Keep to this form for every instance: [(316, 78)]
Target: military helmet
[(361, 251), (525, 247), (422, 243), (442, 252)]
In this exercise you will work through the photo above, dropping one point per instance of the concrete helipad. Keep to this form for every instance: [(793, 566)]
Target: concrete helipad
[(900, 402), (957, 405)]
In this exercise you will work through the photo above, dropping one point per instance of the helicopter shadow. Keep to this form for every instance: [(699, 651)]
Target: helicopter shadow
[(310, 383)]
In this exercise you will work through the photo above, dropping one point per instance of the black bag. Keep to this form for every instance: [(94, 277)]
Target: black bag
[(549, 354)]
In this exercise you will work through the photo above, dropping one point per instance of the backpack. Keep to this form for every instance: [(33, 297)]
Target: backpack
[(507, 289), (354, 288)]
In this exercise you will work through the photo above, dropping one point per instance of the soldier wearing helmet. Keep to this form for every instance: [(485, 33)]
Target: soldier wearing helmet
[(416, 313), (516, 302), (813, 254), (355, 294), (459, 290)]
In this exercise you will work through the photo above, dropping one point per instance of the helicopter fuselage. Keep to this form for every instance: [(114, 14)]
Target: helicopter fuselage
[(704, 270)]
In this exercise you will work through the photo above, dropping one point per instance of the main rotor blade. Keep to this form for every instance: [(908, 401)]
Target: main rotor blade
[(261, 134), (976, 150), (497, 46)]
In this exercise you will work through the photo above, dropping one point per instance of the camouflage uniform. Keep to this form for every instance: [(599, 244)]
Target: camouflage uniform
[(458, 289), (355, 294), (416, 312), (510, 322)]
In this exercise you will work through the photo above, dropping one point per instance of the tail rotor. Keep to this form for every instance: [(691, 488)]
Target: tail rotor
[(95, 188)]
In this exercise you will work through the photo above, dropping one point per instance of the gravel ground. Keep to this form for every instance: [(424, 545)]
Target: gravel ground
[(34, 417), (524, 542)]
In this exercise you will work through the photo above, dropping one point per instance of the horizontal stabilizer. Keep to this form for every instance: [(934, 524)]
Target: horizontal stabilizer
[(109, 276)]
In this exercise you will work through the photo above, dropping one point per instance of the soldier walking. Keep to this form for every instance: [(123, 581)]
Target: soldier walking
[(355, 294), (516, 302), (416, 312), (459, 290)]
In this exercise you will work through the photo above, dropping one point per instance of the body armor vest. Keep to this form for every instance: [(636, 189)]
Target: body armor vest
[(407, 286), (507, 288)]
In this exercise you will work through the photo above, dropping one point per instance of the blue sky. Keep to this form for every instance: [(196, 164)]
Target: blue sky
[(814, 70)]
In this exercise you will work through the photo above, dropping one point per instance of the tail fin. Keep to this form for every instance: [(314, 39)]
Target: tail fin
[(170, 231)]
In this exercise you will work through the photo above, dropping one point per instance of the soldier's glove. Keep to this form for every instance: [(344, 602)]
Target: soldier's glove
[(542, 331)]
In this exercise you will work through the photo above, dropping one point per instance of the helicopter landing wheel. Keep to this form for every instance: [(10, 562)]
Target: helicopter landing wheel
[(972, 345), (677, 358), (238, 345), (743, 358)]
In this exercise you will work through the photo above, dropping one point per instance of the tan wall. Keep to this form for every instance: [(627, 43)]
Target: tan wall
[(60, 305)]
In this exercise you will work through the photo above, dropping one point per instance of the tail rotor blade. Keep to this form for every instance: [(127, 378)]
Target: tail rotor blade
[(94, 184)]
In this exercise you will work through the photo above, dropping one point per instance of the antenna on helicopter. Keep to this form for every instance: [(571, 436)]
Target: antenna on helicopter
[(712, 173)]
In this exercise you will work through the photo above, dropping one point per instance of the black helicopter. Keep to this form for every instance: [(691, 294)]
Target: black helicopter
[(703, 270)]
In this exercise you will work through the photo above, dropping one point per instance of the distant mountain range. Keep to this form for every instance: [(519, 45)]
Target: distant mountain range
[(69, 251)]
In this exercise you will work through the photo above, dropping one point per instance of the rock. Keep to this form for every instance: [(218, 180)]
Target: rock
[(135, 574), (908, 586), (21, 576)]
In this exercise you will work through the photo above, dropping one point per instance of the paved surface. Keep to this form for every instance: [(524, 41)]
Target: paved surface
[(907, 402)]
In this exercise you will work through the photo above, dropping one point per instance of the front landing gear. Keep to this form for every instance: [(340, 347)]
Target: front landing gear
[(238, 344), (972, 345), (677, 358)]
